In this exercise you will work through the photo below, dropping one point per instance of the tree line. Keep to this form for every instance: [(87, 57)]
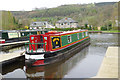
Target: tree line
[(97, 14)]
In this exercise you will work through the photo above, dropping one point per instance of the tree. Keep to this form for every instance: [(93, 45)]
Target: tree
[(9, 22)]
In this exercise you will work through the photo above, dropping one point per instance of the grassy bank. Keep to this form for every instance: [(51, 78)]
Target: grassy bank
[(70, 29), (111, 31)]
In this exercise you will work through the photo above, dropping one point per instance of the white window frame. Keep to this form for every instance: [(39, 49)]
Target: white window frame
[(86, 34), (82, 34), (78, 36), (70, 39)]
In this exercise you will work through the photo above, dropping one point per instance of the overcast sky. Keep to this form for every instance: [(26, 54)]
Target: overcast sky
[(27, 5)]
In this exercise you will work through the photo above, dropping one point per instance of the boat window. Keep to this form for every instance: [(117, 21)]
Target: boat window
[(78, 35), (82, 34), (86, 33), (69, 39), (23, 34), (32, 38)]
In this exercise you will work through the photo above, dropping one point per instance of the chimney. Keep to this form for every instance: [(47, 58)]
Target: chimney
[(65, 18)]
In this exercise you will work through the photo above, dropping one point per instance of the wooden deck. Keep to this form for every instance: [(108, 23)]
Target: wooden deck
[(109, 66)]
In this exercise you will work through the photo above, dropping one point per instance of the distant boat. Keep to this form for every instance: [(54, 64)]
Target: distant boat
[(8, 36), (14, 38), (52, 47)]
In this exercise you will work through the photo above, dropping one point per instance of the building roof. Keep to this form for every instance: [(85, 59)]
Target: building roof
[(66, 20)]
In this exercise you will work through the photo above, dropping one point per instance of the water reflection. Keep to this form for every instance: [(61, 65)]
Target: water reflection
[(17, 73), (84, 64), (104, 40), (12, 67), (57, 70), (15, 70), (13, 50)]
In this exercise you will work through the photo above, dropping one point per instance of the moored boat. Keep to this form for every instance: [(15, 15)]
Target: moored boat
[(52, 47), (9, 36), (13, 38)]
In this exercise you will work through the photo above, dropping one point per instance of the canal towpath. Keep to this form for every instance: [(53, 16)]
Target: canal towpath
[(109, 66), (8, 58)]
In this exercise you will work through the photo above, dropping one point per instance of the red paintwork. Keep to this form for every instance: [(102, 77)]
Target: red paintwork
[(53, 33), (38, 62), (47, 40), (41, 68), (2, 41)]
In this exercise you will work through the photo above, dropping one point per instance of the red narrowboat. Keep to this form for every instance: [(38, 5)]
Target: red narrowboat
[(54, 46)]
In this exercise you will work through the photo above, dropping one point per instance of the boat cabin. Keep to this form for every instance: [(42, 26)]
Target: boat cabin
[(54, 41)]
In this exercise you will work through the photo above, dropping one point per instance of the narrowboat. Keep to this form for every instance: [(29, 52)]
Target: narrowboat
[(52, 47), (8, 36)]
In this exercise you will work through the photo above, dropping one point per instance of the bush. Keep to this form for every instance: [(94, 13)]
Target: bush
[(103, 28), (90, 28), (115, 28), (64, 29)]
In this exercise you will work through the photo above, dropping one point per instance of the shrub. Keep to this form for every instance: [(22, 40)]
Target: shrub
[(103, 28)]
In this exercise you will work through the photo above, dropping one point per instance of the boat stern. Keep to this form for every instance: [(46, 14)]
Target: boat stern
[(34, 60)]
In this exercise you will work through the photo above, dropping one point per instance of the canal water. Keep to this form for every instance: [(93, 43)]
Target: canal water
[(84, 64)]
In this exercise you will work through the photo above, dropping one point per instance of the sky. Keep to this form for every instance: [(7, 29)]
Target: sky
[(28, 5)]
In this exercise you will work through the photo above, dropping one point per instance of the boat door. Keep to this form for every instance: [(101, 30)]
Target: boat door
[(34, 39), (46, 41)]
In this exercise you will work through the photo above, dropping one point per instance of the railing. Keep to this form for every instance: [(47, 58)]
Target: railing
[(27, 44)]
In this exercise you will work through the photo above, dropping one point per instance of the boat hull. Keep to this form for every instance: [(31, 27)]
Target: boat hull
[(57, 56)]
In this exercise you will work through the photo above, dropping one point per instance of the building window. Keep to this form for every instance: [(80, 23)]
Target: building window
[(34, 23), (44, 23), (37, 27), (68, 23), (82, 34), (61, 23), (78, 35), (69, 39)]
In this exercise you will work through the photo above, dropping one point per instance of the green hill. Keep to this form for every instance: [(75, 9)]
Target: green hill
[(105, 3), (98, 14)]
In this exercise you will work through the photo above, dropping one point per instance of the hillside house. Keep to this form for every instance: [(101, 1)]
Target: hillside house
[(66, 23), (41, 25)]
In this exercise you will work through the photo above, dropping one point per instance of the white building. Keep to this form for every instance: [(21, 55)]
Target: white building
[(66, 23), (41, 25)]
